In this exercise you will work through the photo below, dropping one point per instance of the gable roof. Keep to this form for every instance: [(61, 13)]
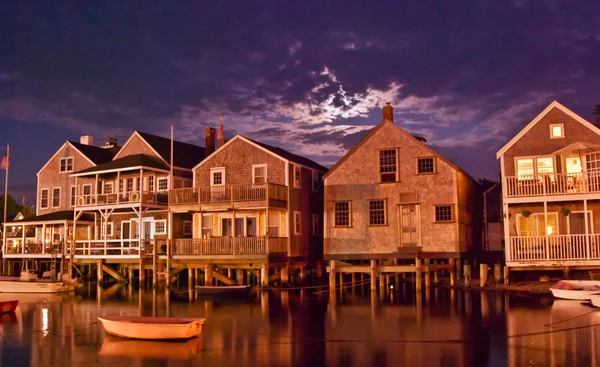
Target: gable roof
[(401, 130), (92, 154), (133, 161), (56, 216), (275, 151), (537, 119), (185, 155)]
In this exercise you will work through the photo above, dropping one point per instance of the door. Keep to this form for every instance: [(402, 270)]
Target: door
[(409, 226), (226, 227), (577, 223), (125, 234)]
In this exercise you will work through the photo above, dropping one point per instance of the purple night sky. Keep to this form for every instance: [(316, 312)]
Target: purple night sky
[(309, 76)]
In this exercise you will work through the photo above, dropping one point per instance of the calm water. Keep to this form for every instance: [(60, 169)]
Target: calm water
[(440, 328)]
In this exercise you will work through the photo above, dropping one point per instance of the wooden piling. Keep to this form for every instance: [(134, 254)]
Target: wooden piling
[(467, 274), (208, 276), (418, 274), (483, 275), (427, 274), (497, 273), (264, 275), (239, 276), (373, 275), (99, 271), (506, 275), (458, 269), (435, 272), (130, 274), (452, 271), (302, 274), (191, 278), (285, 275), (142, 273), (332, 275)]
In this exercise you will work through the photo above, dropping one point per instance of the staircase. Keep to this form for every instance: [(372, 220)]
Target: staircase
[(162, 273)]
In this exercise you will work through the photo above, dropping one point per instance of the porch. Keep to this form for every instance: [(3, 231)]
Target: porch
[(553, 250), (112, 248), (553, 184), (231, 246), (229, 193)]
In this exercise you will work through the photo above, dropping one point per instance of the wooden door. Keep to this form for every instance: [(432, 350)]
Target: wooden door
[(410, 231)]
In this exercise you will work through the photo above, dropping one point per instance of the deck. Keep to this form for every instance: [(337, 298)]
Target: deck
[(554, 250), (552, 185), (230, 195)]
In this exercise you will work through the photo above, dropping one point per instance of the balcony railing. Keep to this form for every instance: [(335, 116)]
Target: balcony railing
[(553, 248), (553, 184), (229, 246), (111, 247), (133, 197), (228, 193)]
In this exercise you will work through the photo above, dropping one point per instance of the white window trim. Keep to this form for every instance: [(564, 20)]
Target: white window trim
[(297, 231), (254, 166), (535, 167), (164, 222), (157, 183), (590, 223), (397, 165), (59, 197), (211, 221), (427, 173), (349, 214), (72, 195), (47, 198), (452, 214), (187, 233), (112, 187), (108, 229), (83, 189), (153, 183), (216, 170), (537, 223), (562, 129), (66, 159), (298, 183)]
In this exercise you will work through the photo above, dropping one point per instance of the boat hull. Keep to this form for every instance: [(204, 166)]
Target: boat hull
[(119, 347), (151, 328), (223, 290), (19, 286), (580, 290), (8, 306)]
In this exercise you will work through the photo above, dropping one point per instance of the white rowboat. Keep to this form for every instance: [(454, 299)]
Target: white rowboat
[(596, 301), (15, 285), (151, 328), (581, 290)]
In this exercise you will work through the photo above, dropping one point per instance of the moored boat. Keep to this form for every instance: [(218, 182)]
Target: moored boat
[(152, 328), (28, 282), (223, 290), (581, 290), (596, 301), (8, 306)]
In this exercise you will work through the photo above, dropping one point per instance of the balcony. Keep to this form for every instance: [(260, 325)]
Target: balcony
[(230, 246), (111, 248), (133, 197), (554, 249), (553, 184), (228, 193)]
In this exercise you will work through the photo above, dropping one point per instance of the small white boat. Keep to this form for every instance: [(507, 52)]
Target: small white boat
[(28, 282), (581, 290), (151, 328)]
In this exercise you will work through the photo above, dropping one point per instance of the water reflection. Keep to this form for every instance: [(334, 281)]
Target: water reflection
[(436, 327)]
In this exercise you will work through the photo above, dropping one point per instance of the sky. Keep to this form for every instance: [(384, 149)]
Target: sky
[(308, 76)]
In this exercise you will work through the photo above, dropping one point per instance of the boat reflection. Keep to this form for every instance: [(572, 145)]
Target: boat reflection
[(8, 318), (119, 347)]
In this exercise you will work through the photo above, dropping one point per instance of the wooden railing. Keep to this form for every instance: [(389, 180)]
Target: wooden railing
[(111, 247), (228, 193), (553, 248), (229, 246), (553, 184), (133, 197)]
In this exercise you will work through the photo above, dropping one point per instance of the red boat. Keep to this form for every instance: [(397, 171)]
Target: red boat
[(8, 306)]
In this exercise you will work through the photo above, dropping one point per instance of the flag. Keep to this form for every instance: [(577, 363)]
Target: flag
[(220, 132), (4, 163)]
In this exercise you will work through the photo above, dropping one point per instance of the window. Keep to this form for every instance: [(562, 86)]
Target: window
[(342, 214), (207, 225), (121, 185), (163, 184), (535, 168), (107, 229), (297, 176), (56, 197), (443, 213), (274, 222), (151, 183), (388, 165), (66, 164), (377, 213), (87, 190), (187, 228), (129, 184), (535, 224), (160, 227), (425, 165), (109, 187), (259, 173), (576, 223), (72, 196), (297, 223), (316, 179), (315, 224), (44, 199), (557, 131), (217, 176)]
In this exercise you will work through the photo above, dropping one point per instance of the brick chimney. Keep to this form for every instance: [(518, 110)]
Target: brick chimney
[(209, 144), (388, 112)]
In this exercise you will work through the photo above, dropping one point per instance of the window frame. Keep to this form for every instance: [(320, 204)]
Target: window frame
[(385, 216), (537, 216), (56, 196), (203, 226), (83, 190), (184, 226), (298, 180), (452, 213), (159, 180), (72, 195), (335, 224), (536, 175), (562, 130), (66, 160), (433, 165), (397, 169), (297, 223), (254, 176), (163, 222), (214, 170), (47, 206), (107, 184), (151, 183)]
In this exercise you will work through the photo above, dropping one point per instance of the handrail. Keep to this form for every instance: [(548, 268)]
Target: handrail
[(553, 184), (228, 193)]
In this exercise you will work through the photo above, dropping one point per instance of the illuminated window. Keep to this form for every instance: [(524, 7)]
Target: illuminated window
[(557, 131), (535, 224), (532, 168)]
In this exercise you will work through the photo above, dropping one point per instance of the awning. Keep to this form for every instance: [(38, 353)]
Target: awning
[(578, 147)]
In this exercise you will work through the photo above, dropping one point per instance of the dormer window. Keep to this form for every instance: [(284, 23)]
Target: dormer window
[(557, 131), (66, 164)]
